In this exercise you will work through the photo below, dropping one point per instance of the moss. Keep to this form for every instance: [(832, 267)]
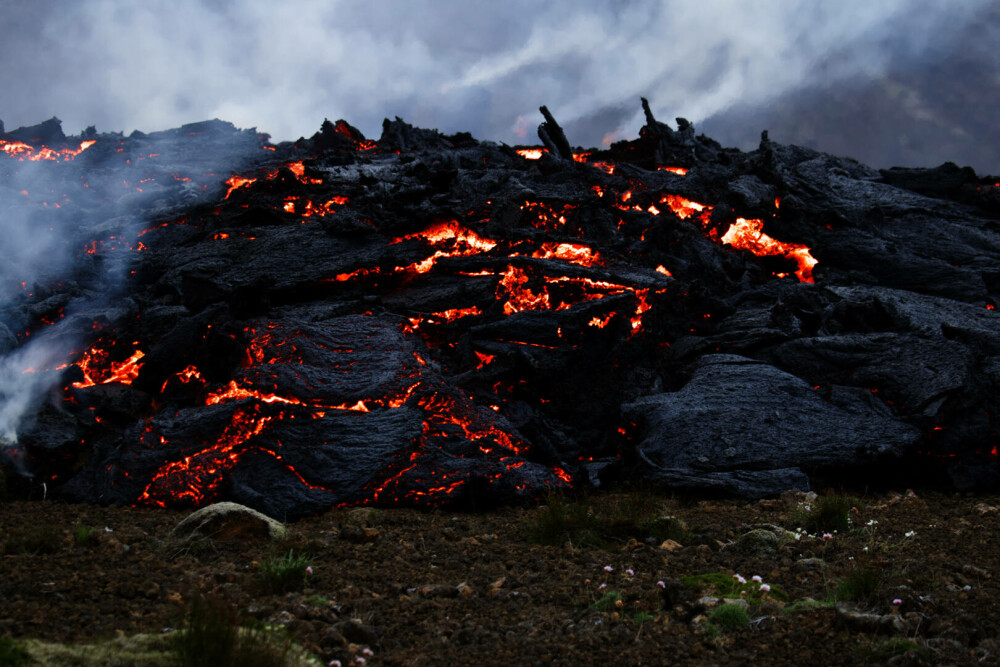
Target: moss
[(12, 654)]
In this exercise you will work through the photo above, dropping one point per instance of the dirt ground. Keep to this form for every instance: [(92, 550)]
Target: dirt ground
[(408, 587)]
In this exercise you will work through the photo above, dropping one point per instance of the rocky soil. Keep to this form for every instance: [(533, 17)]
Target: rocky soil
[(435, 587)]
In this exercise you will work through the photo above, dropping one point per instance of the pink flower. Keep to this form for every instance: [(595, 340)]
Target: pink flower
[(630, 572), (334, 663), (740, 580), (367, 652), (309, 570), (359, 660), (764, 588), (661, 584), (602, 587), (756, 578), (827, 537), (608, 568), (897, 602)]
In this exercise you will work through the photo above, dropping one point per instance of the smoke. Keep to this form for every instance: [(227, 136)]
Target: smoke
[(70, 233), (474, 66)]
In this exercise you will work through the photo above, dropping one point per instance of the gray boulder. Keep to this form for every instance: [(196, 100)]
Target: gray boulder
[(744, 427)]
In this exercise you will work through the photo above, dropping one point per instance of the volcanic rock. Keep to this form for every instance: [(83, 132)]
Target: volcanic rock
[(228, 521), (745, 427), (428, 319)]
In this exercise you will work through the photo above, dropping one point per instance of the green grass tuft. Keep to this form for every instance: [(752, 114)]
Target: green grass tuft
[(285, 574), (604, 522), (608, 602), (213, 637), (729, 617), (860, 584), (831, 513), (84, 536)]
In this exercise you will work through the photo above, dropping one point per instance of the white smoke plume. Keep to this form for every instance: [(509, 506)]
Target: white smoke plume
[(482, 67)]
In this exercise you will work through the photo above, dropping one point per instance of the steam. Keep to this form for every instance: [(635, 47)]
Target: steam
[(70, 229), (479, 67)]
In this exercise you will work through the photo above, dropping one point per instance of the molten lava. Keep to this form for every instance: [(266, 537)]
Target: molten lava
[(749, 235)]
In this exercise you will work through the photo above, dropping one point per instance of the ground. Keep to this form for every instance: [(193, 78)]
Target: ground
[(410, 587)]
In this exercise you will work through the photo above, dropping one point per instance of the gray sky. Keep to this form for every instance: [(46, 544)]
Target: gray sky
[(477, 66)]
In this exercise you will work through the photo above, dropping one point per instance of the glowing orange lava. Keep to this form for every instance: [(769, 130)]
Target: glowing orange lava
[(749, 235)]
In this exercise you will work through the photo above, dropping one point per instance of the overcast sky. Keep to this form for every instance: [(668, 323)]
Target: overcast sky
[(480, 66)]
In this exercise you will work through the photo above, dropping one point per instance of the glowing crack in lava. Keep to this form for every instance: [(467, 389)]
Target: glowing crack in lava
[(98, 369), (24, 151), (749, 235), (454, 239), (293, 386)]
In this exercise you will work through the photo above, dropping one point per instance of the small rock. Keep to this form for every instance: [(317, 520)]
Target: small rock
[(983, 509), (228, 522), (853, 618), (465, 590), (670, 545), (357, 633), (438, 591), (810, 565), (755, 542)]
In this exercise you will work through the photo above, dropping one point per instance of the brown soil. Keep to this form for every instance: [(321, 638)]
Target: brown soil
[(444, 588)]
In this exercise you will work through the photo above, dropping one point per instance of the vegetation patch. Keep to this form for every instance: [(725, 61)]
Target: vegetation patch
[(730, 617), (285, 574), (604, 522), (829, 514)]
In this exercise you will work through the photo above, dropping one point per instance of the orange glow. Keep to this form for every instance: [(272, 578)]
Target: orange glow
[(662, 269), (98, 370), (464, 243), (484, 359), (643, 306), (581, 157), (531, 153), (185, 376), (568, 252), (599, 322), (749, 235), (521, 298), (685, 208), (235, 182), (604, 166), (23, 151), (680, 171), (235, 393)]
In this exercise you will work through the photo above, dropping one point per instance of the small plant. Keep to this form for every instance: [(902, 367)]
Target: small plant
[(860, 584), (288, 573), (561, 520), (84, 536), (754, 591), (642, 617), (830, 514), (12, 655), (886, 649), (604, 524), (730, 616), (608, 602), (213, 637)]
